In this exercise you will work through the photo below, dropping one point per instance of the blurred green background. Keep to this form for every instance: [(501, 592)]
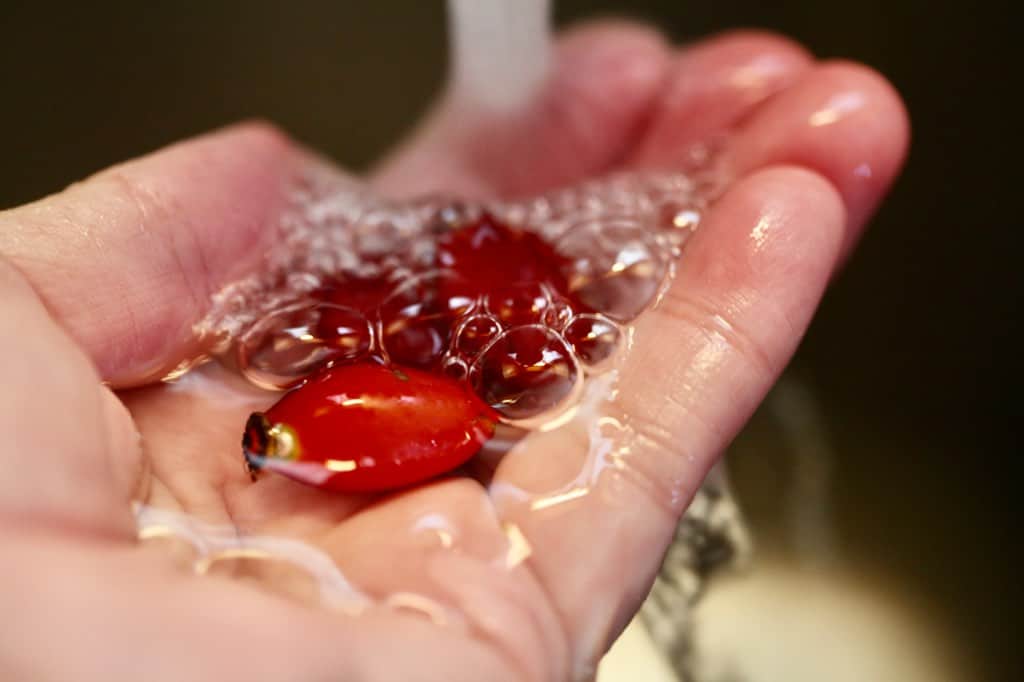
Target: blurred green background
[(913, 359)]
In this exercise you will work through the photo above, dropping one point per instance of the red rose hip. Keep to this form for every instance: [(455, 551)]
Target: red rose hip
[(491, 255), (367, 427)]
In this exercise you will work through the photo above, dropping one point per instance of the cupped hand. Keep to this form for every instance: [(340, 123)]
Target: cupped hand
[(101, 286)]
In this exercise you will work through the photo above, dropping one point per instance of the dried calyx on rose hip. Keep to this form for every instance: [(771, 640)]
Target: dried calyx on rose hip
[(367, 428), (400, 377)]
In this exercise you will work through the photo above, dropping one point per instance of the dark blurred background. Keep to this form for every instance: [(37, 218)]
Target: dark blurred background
[(913, 359)]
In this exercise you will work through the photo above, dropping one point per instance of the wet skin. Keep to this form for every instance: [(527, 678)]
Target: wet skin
[(103, 282)]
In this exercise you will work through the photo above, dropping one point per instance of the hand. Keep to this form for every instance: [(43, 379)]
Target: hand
[(105, 280)]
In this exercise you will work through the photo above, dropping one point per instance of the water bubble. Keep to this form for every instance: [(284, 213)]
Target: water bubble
[(518, 304), (593, 338), (283, 348), (364, 294), (558, 313), (475, 332), (679, 216), (443, 214), (417, 320), (391, 237), (455, 368), (617, 266), (377, 234), (525, 373)]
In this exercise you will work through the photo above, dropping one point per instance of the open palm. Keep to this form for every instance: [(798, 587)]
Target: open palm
[(105, 281)]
